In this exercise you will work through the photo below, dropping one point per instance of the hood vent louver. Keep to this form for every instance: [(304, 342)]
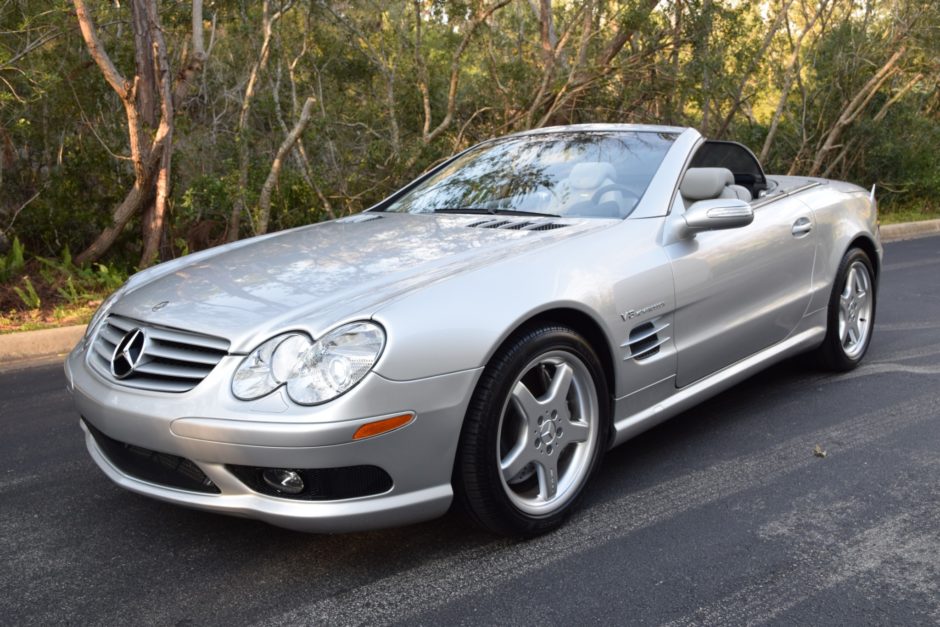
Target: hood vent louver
[(517, 225), (547, 226), (646, 339), (359, 217)]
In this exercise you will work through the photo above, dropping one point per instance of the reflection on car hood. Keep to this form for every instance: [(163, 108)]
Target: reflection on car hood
[(315, 276)]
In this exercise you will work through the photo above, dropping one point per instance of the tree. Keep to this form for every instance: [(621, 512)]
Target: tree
[(150, 87)]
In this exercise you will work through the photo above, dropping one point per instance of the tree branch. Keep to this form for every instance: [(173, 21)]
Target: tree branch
[(98, 53)]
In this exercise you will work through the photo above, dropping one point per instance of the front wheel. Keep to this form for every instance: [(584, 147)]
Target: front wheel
[(534, 433), (851, 315)]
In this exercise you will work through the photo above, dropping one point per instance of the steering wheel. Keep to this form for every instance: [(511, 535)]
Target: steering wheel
[(593, 206), (613, 187)]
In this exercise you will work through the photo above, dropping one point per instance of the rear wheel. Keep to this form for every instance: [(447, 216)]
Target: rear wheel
[(851, 315), (534, 433)]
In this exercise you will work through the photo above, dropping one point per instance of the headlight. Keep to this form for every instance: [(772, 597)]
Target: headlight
[(313, 372)]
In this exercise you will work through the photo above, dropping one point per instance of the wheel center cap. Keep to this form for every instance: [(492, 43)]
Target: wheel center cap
[(547, 432)]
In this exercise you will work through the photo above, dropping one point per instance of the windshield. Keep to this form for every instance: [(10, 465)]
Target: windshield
[(575, 174)]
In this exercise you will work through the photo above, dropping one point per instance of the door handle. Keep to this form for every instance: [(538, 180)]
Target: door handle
[(801, 227)]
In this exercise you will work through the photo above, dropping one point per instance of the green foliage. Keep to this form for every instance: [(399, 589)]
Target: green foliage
[(64, 138), (28, 294), (13, 262), (80, 283)]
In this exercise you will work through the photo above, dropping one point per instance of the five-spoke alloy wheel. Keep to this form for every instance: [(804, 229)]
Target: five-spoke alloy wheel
[(851, 315), (534, 433)]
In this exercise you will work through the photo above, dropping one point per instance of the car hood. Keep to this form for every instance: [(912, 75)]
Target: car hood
[(314, 277)]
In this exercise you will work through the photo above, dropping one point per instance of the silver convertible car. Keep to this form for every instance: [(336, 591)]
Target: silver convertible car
[(482, 336)]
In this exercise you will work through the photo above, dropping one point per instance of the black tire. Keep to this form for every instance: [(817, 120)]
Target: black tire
[(833, 354), (484, 493)]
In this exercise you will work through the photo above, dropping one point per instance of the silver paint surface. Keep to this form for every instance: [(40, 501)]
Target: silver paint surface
[(724, 305)]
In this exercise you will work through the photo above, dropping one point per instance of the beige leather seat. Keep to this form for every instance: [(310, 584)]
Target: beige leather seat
[(709, 183), (585, 179)]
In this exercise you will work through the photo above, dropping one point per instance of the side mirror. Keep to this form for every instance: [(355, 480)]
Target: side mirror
[(715, 214)]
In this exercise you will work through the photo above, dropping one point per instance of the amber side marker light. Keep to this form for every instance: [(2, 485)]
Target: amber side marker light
[(371, 429)]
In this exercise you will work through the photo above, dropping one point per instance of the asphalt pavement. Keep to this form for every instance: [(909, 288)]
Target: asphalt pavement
[(724, 515)]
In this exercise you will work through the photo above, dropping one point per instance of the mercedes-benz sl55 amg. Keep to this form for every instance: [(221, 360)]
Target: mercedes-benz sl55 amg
[(482, 336)]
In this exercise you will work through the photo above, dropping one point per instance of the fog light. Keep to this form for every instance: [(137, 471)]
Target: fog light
[(282, 480)]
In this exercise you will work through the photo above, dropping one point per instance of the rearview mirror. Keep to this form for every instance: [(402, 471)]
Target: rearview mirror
[(716, 214)]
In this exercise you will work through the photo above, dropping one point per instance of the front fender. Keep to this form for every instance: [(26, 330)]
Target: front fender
[(458, 324)]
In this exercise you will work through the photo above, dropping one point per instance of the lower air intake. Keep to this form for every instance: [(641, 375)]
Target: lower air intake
[(151, 466)]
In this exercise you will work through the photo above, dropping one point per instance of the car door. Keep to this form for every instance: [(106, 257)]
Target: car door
[(741, 290)]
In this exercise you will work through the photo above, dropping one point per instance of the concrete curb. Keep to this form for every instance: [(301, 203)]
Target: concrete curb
[(46, 344), (22, 349), (909, 230)]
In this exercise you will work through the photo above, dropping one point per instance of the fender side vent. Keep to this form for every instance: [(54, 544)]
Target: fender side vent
[(646, 339)]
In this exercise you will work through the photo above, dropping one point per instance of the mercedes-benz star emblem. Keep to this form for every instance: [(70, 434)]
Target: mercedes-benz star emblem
[(128, 354)]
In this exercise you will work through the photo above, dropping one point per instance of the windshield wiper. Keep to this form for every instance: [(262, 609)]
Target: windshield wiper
[(493, 212)]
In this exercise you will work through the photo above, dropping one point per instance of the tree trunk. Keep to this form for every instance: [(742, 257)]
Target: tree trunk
[(752, 67), (150, 156), (854, 109), (264, 200), (148, 105), (470, 26), (154, 217), (793, 67), (241, 134)]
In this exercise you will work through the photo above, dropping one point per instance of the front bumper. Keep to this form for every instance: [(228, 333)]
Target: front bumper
[(208, 426)]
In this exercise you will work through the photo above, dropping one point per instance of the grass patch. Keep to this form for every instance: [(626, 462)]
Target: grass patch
[(14, 320), (897, 215)]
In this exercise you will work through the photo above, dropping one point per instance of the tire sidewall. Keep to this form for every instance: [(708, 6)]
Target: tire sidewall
[(485, 412), (833, 353)]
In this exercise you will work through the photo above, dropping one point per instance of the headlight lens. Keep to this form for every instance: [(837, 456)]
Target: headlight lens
[(314, 372)]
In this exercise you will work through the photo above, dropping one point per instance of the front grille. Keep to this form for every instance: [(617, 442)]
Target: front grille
[(172, 361), (322, 484), (151, 466)]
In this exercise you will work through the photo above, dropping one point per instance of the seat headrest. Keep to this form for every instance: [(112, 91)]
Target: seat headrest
[(590, 174), (705, 183)]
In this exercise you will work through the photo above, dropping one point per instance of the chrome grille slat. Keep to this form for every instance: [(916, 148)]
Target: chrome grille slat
[(111, 334), (177, 353), (186, 338), (162, 369), (156, 384), (102, 349), (124, 324), (173, 360)]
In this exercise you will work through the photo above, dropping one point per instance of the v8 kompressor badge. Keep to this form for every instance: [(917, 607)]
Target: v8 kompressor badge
[(630, 314)]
